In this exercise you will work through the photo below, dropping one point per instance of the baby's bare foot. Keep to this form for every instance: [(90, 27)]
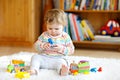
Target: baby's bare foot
[(64, 70), (32, 72)]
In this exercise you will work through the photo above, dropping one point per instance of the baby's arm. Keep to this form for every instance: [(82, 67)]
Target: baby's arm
[(67, 48), (41, 44)]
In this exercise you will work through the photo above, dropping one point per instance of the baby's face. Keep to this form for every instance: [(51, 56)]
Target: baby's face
[(54, 29)]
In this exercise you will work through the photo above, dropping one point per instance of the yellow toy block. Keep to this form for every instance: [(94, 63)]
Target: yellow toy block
[(21, 75), (17, 61)]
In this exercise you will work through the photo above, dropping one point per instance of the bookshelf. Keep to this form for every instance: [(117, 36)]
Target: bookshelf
[(97, 18)]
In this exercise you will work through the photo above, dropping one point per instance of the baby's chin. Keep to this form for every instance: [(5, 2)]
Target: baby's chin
[(55, 35)]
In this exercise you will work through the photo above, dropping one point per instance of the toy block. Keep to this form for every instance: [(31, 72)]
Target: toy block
[(17, 61)]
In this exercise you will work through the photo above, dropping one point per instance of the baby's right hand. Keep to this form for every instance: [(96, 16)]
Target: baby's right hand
[(46, 45)]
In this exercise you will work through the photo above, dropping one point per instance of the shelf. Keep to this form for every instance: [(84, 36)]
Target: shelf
[(97, 18), (96, 45), (93, 11)]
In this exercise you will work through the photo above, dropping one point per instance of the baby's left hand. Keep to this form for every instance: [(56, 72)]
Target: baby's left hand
[(57, 47)]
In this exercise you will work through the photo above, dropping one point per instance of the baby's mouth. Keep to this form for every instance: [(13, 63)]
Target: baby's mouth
[(54, 34)]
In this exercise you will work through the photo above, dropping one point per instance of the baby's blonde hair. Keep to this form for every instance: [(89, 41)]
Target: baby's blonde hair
[(55, 16)]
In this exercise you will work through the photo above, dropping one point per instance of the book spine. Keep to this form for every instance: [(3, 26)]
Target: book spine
[(75, 27), (72, 30)]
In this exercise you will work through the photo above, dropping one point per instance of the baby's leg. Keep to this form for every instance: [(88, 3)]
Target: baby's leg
[(64, 70), (62, 67), (35, 64)]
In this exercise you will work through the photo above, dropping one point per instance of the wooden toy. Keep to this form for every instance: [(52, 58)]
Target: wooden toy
[(21, 75), (16, 66), (82, 67)]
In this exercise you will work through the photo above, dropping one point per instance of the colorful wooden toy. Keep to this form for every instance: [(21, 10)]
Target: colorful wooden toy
[(16, 66), (21, 75), (82, 67)]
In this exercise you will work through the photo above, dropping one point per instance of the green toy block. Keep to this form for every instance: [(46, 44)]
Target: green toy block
[(83, 64), (83, 71), (10, 68), (22, 65)]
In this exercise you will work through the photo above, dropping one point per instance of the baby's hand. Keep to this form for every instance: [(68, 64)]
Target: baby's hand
[(57, 47), (46, 46)]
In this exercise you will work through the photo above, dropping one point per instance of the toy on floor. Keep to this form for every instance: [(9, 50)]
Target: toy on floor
[(95, 69), (73, 68), (111, 28), (82, 67), (16, 66), (100, 69), (22, 75)]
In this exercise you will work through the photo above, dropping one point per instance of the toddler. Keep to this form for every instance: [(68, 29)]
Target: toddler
[(53, 45)]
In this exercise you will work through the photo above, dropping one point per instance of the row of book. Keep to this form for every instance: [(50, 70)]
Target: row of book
[(92, 4), (82, 30), (79, 29)]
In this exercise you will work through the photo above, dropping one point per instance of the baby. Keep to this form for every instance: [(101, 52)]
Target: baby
[(53, 45)]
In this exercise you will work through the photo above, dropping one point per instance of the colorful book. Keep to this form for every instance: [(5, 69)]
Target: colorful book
[(67, 27), (67, 4), (85, 34), (90, 26), (82, 5), (75, 26), (91, 4), (73, 4), (72, 29), (99, 5), (79, 27), (77, 4), (88, 2), (86, 26)]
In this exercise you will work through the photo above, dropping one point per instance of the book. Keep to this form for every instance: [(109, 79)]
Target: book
[(66, 4), (102, 5), (82, 5), (79, 28), (72, 6), (75, 26), (77, 4), (90, 26), (85, 34), (94, 5), (91, 4), (72, 29), (86, 26), (88, 2), (99, 5), (67, 27)]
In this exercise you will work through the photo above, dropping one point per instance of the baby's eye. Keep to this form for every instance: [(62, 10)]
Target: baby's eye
[(50, 28), (56, 28)]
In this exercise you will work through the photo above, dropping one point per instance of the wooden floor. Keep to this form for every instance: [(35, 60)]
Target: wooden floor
[(7, 50)]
